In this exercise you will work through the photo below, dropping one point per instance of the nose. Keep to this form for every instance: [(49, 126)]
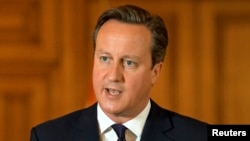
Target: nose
[(115, 73)]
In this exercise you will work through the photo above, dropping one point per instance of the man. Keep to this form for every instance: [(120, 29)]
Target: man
[(129, 50)]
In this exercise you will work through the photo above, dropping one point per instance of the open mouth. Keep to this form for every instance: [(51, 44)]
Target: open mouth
[(113, 91)]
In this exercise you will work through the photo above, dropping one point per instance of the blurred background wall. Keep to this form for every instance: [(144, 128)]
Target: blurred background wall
[(46, 60)]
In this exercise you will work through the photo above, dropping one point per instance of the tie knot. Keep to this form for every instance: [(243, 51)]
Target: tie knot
[(120, 131)]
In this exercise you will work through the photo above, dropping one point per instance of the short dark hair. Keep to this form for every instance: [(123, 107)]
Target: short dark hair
[(135, 15)]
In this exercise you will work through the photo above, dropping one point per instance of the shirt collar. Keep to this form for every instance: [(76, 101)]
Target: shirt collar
[(104, 121), (135, 125)]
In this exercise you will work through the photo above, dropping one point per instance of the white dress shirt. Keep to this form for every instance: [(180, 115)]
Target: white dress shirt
[(135, 125)]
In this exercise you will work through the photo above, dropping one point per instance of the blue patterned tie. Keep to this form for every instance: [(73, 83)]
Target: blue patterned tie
[(120, 131)]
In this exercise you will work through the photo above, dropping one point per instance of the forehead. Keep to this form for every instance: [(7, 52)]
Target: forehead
[(117, 29), (116, 33), (124, 39)]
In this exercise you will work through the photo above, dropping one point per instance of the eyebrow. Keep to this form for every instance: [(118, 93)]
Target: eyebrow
[(131, 57), (102, 52), (124, 57)]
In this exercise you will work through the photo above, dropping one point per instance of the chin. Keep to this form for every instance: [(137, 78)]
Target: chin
[(110, 108)]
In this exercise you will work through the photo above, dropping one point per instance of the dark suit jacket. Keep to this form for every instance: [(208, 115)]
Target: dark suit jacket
[(82, 125)]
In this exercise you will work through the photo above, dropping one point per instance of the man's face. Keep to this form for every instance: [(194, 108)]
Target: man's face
[(122, 74)]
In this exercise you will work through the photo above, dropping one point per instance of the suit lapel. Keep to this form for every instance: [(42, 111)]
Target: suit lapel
[(157, 125), (86, 125)]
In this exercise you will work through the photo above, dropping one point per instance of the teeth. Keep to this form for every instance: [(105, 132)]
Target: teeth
[(114, 92)]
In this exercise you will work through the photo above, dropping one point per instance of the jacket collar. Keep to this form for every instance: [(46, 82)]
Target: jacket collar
[(157, 125), (86, 125)]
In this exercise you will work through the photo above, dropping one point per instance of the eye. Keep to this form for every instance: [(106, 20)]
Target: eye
[(104, 58), (129, 64)]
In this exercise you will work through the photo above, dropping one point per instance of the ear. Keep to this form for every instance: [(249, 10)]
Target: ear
[(155, 72)]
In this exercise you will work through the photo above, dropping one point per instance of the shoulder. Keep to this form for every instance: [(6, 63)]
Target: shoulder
[(174, 117), (176, 123), (188, 127), (66, 123), (70, 117)]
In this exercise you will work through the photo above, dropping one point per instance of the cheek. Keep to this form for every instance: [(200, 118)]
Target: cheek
[(96, 78), (139, 82), (97, 71)]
